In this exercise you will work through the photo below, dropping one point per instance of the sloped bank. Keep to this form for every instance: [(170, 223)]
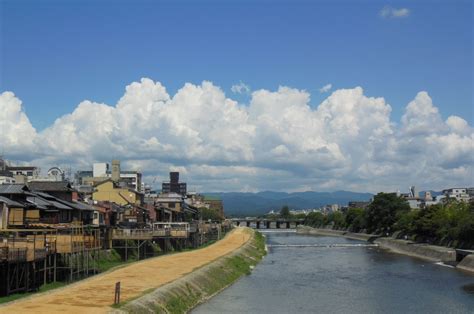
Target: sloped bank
[(467, 263), (185, 293), (431, 253)]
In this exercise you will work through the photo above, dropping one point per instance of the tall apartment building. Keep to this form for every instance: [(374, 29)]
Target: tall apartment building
[(174, 186)]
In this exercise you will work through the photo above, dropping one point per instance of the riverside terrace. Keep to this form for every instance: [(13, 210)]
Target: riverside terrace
[(268, 223), (30, 258)]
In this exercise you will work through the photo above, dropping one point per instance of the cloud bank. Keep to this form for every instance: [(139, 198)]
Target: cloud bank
[(275, 142)]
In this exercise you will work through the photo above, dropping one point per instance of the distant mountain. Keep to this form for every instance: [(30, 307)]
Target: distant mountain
[(252, 204)]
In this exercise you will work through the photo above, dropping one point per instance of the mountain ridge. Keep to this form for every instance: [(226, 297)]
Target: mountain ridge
[(253, 204)]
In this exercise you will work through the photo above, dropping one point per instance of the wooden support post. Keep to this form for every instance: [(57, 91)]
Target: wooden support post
[(44, 270), (138, 250), (70, 266), (55, 269), (126, 250), (117, 293)]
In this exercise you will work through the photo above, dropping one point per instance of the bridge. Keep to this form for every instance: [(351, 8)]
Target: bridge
[(268, 223)]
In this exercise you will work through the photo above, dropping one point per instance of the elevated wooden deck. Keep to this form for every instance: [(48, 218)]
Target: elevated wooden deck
[(159, 230)]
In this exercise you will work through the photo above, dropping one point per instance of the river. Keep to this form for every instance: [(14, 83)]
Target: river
[(319, 274)]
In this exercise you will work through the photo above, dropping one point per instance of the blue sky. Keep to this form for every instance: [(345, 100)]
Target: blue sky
[(54, 54)]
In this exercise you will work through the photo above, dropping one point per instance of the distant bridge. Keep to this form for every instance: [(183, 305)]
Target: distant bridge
[(268, 223)]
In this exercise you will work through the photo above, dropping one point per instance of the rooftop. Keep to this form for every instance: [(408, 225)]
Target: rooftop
[(13, 188), (51, 186)]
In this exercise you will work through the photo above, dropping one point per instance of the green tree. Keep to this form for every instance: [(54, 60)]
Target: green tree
[(355, 219), (285, 212), (337, 218), (406, 221), (383, 211), (314, 219), (209, 214)]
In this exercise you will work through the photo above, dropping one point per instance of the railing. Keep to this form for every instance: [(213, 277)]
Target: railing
[(40, 254), (132, 234), (3, 253), (180, 229), (49, 220), (174, 229), (16, 255)]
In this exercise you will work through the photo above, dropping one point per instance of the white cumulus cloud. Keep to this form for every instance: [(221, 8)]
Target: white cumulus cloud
[(278, 141)]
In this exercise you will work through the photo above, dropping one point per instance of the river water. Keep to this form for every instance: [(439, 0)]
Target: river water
[(318, 274)]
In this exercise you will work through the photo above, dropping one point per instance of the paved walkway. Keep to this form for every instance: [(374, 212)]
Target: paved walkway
[(96, 294)]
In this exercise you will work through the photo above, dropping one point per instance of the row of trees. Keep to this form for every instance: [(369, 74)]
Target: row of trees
[(450, 223)]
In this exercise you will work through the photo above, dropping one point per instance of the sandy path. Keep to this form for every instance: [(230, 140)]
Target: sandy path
[(96, 294)]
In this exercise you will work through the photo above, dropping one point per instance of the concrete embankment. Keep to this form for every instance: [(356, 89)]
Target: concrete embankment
[(336, 233), (196, 287), (431, 253), (467, 263)]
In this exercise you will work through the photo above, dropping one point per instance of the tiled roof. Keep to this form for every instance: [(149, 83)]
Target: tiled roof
[(13, 188), (9, 202), (50, 186)]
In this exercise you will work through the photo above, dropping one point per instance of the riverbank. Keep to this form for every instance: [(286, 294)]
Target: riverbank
[(423, 251), (182, 295), (96, 294)]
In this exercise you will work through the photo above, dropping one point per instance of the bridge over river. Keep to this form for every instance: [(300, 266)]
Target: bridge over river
[(268, 223)]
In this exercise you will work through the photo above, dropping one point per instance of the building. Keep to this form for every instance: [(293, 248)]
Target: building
[(30, 172), (215, 203), (110, 191), (11, 213), (101, 172), (460, 194), (196, 200), (6, 177), (174, 186), (59, 189), (56, 174), (26, 208), (169, 207)]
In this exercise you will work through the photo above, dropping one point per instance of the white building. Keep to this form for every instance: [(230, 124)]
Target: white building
[(131, 179), (459, 194)]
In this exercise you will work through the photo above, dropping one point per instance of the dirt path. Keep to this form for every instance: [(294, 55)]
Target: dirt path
[(96, 294)]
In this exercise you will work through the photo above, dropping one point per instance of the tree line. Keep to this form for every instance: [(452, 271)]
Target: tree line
[(450, 223)]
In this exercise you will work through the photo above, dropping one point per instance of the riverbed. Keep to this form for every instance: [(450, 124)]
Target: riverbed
[(320, 274)]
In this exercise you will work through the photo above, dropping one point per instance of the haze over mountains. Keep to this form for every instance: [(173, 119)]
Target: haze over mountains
[(251, 204)]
